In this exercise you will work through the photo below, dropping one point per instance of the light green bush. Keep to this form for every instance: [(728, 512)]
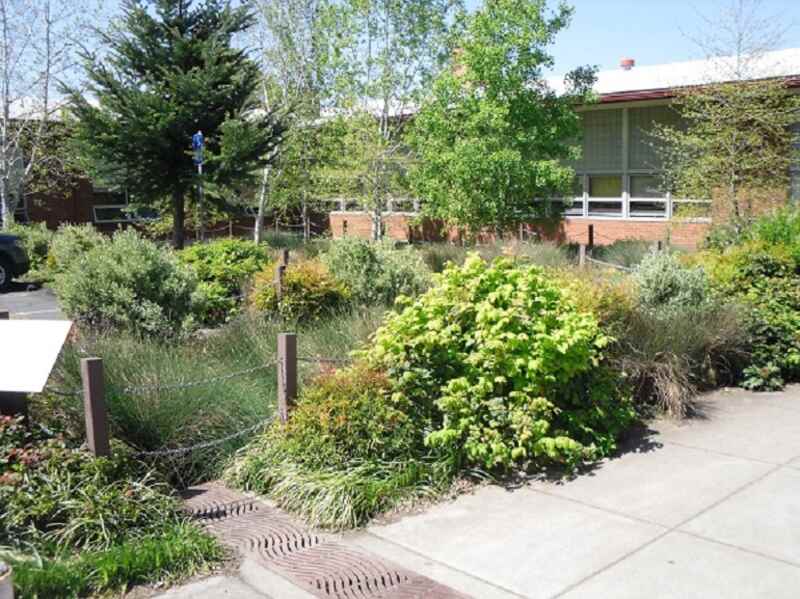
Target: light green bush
[(71, 243), (666, 283), (376, 272), (511, 365), (309, 292), (129, 283), (226, 262)]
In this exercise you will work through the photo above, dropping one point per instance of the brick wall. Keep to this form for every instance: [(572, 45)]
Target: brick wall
[(573, 230)]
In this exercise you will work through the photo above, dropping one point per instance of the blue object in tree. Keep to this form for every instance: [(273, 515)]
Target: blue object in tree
[(197, 145)]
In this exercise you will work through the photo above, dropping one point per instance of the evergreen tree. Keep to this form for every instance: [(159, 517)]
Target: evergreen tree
[(170, 69)]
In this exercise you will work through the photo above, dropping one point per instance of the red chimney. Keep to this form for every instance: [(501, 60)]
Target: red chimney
[(627, 63)]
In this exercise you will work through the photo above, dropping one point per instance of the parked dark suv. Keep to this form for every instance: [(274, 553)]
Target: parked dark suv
[(13, 260)]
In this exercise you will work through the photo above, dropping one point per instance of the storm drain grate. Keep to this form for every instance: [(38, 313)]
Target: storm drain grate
[(314, 562)]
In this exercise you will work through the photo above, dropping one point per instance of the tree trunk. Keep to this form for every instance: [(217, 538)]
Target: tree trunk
[(178, 217), (258, 230), (306, 223)]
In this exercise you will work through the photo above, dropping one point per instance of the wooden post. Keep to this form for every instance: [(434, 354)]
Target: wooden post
[(582, 255), (284, 259), (590, 243), (659, 246), (280, 270), (94, 406), (287, 373)]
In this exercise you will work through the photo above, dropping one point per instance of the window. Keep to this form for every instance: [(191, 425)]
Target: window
[(602, 140), (642, 145), (605, 186), (122, 214)]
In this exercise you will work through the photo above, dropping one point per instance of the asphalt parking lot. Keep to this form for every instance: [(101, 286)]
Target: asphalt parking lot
[(31, 302)]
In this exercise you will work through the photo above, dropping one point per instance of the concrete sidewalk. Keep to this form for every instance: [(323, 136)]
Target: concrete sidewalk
[(706, 509)]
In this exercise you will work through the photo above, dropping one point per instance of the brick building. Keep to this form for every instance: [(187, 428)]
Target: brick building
[(617, 179)]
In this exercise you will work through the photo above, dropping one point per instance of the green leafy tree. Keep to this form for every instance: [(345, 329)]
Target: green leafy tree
[(171, 68), (492, 136)]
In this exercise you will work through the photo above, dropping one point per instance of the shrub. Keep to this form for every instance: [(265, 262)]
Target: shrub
[(349, 451), (309, 292), (36, 239), (542, 254), (129, 283), (438, 255), (764, 277), (71, 243), (376, 272), (228, 263), (511, 364), (666, 283)]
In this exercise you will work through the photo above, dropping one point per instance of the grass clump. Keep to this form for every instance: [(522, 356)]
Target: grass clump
[(350, 450)]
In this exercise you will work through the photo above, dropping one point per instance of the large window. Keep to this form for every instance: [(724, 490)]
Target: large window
[(619, 172)]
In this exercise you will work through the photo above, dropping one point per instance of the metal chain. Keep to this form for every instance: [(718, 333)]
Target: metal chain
[(205, 445), (609, 264), (177, 386), (319, 360)]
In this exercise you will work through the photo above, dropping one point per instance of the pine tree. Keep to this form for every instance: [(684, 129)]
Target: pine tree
[(170, 69)]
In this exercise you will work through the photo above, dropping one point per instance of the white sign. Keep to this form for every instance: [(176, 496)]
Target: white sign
[(28, 351)]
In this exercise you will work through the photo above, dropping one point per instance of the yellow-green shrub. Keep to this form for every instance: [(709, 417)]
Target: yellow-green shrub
[(309, 292)]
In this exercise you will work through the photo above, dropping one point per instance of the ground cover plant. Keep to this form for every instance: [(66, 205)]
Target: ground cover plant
[(66, 515)]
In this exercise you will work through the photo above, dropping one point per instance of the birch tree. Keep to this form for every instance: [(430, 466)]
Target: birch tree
[(736, 142), (36, 55), (394, 50)]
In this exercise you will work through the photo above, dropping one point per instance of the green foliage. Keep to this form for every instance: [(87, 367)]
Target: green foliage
[(625, 252), (179, 551), (70, 243), (765, 278), (166, 70), (58, 498), (172, 416), (492, 135), (223, 268), (349, 451), (35, 240), (666, 283), (734, 145), (129, 283), (376, 272), (309, 292), (509, 362), (228, 262)]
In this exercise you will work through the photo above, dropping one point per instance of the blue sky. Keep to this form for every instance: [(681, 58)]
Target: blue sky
[(650, 31)]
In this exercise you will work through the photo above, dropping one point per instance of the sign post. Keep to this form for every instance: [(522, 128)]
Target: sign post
[(198, 143)]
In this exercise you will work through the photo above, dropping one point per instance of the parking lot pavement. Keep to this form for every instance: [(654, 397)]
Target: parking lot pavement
[(31, 302)]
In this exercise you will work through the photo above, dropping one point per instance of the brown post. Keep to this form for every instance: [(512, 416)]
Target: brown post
[(590, 244), (280, 270), (287, 373), (4, 315), (659, 245), (284, 259), (94, 406), (582, 255)]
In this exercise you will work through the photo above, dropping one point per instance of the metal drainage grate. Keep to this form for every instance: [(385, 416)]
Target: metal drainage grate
[(325, 569)]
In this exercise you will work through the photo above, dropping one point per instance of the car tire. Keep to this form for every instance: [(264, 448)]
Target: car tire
[(5, 275)]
